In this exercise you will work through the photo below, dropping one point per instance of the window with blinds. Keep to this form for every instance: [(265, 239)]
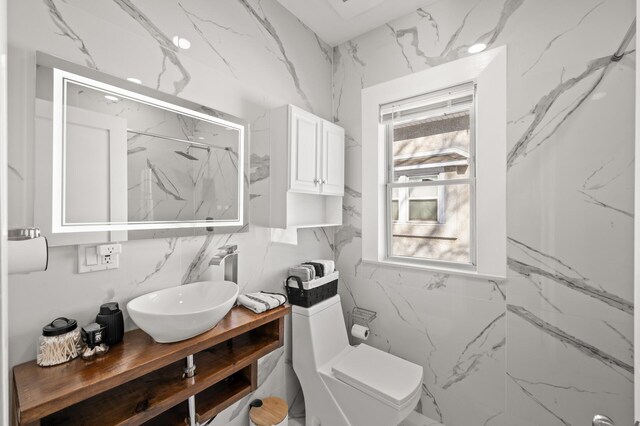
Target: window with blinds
[(431, 176)]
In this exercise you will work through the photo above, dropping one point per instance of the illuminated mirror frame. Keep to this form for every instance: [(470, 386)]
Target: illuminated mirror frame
[(64, 73)]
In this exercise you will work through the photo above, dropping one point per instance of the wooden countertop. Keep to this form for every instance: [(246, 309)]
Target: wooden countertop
[(41, 391)]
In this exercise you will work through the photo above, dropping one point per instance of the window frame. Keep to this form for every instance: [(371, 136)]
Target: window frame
[(488, 69), (392, 184), (439, 198), (440, 215)]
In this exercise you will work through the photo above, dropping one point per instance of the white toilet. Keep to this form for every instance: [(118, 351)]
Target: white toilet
[(347, 385)]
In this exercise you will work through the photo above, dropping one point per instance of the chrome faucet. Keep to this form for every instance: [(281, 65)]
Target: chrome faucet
[(601, 420), (228, 255)]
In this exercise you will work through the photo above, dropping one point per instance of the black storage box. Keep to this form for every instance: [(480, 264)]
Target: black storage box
[(307, 294)]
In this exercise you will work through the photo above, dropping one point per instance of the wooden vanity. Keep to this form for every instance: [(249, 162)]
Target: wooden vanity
[(140, 382)]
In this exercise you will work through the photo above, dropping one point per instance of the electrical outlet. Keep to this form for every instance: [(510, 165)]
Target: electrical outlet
[(109, 249), (93, 258)]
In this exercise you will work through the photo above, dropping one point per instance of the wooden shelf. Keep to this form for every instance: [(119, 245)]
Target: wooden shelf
[(139, 379), (210, 402), (126, 404), (177, 416), (139, 400)]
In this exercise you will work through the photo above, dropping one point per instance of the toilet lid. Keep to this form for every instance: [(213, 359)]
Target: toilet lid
[(379, 374)]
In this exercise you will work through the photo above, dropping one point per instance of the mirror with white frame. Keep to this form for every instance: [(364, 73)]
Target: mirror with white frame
[(116, 160)]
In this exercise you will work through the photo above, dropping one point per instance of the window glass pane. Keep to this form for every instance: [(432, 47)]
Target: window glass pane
[(437, 146), (430, 142), (423, 192), (423, 210), (437, 228)]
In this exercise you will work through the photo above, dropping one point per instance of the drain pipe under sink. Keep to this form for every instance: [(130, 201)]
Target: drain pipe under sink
[(189, 372)]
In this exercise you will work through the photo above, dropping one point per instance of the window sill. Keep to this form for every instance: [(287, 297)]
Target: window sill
[(434, 269)]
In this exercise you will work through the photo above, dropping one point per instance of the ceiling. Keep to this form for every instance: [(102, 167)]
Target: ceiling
[(336, 21)]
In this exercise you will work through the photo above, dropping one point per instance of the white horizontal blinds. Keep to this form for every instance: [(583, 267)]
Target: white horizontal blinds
[(443, 102)]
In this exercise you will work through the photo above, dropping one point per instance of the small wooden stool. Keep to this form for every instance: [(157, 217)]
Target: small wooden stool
[(272, 412)]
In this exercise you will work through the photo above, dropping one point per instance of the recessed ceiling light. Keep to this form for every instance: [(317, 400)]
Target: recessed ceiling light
[(111, 98), (182, 43), (135, 80), (477, 48), (599, 95), (201, 138)]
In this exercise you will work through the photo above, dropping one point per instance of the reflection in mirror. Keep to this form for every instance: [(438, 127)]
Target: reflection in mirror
[(124, 160), (179, 167)]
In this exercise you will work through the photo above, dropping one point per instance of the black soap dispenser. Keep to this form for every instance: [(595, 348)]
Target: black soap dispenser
[(110, 316)]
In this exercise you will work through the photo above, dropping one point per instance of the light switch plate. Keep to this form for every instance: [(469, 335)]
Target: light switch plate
[(89, 260), (90, 255)]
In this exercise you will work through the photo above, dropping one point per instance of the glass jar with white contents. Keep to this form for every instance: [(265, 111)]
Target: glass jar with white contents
[(60, 342)]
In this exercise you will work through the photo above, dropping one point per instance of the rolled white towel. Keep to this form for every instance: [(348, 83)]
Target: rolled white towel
[(304, 272), (312, 271), (262, 301)]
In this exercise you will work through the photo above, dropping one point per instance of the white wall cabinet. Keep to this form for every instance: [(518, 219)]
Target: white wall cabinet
[(316, 157), (332, 160), (305, 138), (306, 170)]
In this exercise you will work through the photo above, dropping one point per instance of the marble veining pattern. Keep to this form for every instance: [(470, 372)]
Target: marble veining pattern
[(575, 284), (536, 134), (563, 317), (266, 24), (168, 49), (171, 250), (474, 352), (565, 307), (559, 334), (194, 19), (67, 31), (133, 38)]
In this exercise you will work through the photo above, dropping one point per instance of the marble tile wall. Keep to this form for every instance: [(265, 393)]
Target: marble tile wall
[(246, 57), (552, 345)]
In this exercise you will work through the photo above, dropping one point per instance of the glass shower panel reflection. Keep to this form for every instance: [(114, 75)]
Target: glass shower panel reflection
[(137, 162)]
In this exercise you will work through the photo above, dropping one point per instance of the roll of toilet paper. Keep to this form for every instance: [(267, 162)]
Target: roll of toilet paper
[(360, 331), (26, 256)]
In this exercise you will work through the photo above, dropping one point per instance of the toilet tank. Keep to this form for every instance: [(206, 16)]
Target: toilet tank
[(319, 332)]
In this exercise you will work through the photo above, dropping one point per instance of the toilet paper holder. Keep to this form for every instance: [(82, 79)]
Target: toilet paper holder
[(28, 251), (362, 316)]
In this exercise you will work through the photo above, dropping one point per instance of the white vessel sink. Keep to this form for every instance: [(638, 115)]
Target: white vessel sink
[(179, 313)]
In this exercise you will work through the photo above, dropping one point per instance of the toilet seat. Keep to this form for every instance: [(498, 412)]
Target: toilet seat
[(387, 378)]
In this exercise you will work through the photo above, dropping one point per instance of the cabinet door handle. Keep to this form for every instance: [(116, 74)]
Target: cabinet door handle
[(316, 181), (324, 181)]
